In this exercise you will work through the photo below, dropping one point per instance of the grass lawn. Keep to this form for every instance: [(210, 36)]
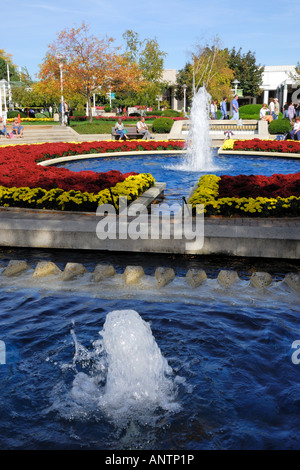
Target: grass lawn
[(38, 123), (101, 127)]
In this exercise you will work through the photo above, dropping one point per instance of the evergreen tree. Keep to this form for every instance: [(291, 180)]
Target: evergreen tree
[(150, 60), (184, 77), (14, 77), (246, 71)]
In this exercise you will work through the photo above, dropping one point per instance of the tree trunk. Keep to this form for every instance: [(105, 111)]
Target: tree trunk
[(89, 105)]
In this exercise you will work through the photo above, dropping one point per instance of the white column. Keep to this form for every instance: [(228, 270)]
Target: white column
[(285, 92), (266, 96), (175, 103)]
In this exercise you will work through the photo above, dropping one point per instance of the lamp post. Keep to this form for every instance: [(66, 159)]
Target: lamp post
[(3, 113), (235, 82), (4, 97), (110, 95), (62, 59), (184, 97), (10, 103), (158, 100)]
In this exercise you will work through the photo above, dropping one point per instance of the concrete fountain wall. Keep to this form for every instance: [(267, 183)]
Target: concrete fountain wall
[(107, 276)]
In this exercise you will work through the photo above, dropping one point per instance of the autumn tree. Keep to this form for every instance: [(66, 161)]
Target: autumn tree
[(296, 74), (210, 69), (89, 64)]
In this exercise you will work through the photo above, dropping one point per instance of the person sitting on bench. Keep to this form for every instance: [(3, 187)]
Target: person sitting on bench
[(119, 129), (17, 128), (296, 130), (142, 128), (263, 114), (3, 128)]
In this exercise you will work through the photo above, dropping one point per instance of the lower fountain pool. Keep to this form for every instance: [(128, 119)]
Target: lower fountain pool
[(168, 168), (104, 367), (211, 370)]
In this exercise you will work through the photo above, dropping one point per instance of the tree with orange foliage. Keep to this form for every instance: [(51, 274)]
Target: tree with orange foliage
[(89, 64), (210, 69)]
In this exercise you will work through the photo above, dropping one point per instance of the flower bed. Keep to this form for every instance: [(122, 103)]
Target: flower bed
[(258, 196), (58, 199), (18, 164), (258, 145), (26, 184), (31, 119), (124, 118)]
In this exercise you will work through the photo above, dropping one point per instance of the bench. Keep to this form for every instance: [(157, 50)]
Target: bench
[(131, 133)]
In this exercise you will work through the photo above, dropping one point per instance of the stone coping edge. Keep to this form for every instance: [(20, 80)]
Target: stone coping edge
[(260, 154), (109, 154)]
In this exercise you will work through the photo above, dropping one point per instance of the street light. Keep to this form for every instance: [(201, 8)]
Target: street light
[(3, 114), (10, 103), (235, 82), (184, 97), (62, 60), (158, 100)]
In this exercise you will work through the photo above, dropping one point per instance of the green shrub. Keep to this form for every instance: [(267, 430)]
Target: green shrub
[(155, 112), (13, 114), (41, 115), (171, 113), (78, 112), (162, 125), (280, 126), (250, 109)]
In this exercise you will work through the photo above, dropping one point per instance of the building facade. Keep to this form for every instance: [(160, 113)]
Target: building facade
[(169, 76), (277, 83)]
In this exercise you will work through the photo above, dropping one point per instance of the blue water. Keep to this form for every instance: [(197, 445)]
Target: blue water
[(230, 349), (180, 182), (238, 387)]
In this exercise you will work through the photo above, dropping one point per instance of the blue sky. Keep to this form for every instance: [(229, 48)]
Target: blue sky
[(270, 28)]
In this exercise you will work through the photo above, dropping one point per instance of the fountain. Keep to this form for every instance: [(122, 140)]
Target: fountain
[(198, 142), (198, 155), (124, 376), (138, 376)]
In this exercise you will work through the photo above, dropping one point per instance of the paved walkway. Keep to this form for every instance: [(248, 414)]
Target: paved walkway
[(38, 134)]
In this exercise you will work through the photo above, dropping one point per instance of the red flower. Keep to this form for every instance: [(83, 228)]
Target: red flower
[(18, 164), (259, 186)]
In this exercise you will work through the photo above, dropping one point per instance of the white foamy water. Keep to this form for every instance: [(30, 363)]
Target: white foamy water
[(137, 371), (128, 378), (198, 142)]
